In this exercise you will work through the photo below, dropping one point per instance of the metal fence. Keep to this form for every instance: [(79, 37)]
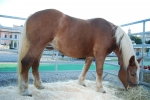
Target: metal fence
[(72, 60)]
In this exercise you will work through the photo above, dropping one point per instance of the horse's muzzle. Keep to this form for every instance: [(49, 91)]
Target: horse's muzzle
[(132, 84)]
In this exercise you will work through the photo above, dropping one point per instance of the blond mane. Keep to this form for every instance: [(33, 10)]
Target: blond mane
[(125, 45)]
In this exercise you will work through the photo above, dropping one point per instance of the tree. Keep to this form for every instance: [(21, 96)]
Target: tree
[(136, 39), (147, 42)]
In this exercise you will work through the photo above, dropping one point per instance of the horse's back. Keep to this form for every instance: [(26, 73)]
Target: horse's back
[(71, 36)]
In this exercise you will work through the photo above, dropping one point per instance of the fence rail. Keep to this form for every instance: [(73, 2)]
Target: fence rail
[(137, 22), (12, 17)]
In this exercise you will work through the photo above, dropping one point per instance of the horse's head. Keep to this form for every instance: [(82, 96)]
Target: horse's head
[(130, 76)]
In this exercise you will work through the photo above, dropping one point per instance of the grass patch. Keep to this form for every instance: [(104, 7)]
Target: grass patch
[(12, 67)]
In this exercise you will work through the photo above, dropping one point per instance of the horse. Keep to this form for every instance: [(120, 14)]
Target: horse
[(77, 38)]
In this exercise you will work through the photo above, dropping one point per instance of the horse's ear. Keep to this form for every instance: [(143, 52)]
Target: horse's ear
[(139, 60), (132, 61)]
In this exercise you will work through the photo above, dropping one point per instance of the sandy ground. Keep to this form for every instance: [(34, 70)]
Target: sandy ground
[(69, 90)]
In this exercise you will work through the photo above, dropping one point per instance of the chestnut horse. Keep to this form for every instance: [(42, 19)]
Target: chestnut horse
[(78, 38)]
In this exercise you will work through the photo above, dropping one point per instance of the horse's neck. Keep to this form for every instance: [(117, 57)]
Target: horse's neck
[(122, 63), (118, 52)]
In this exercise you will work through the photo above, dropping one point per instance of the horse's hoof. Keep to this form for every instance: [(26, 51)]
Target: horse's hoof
[(101, 90), (26, 93), (30, 95), (40, 87), (104, 92), (84, 85)]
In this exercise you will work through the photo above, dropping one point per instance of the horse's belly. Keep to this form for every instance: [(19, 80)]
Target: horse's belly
[(70, 49)]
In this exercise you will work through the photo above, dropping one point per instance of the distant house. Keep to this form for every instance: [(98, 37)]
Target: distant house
[(10, 36)]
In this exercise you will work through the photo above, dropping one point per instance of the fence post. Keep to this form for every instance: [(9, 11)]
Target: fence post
[(56, 67), (143, 43)]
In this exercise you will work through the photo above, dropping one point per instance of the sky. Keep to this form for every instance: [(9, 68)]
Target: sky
[(116, 11)]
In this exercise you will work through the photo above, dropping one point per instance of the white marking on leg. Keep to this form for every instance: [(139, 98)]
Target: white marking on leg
[(38, 83), (26, 93), (84, 71), (23, 87), (81, 78), (99, 85)]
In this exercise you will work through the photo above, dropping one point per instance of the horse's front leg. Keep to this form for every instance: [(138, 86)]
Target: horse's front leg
[(99, 72), (86, 67)]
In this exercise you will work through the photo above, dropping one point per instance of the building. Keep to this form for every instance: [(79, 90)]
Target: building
[(9, 37)]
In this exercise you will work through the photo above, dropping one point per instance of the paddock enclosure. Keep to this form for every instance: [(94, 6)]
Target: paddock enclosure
[(8, 56)]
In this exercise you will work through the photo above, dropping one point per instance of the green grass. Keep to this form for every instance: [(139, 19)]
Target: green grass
[(12, 67)]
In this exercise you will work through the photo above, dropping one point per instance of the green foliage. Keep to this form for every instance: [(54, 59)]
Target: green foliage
[(136, 39), (147, 42)]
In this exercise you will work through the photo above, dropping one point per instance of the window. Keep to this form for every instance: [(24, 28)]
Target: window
[(10, 36), (15, 36), (5, 36)]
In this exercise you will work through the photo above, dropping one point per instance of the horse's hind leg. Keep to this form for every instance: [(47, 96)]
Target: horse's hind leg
[(27, 62), (35, 72), (84, 71)]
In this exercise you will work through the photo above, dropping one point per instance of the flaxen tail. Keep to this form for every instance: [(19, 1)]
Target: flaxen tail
[(23, 48)]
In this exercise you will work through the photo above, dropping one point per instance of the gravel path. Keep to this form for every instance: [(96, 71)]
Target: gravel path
[(10, 78)]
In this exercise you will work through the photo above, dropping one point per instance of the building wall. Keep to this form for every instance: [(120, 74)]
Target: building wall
[(7, 37)]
